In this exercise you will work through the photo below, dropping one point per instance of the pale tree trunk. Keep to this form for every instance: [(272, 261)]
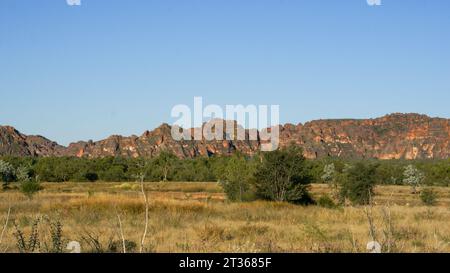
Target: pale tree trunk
[(144, 235)]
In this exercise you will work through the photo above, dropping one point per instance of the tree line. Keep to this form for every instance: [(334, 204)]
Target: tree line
[(167, 167), (282, 175)]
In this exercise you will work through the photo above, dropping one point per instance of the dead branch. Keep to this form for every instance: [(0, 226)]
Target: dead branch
[(121, 233)]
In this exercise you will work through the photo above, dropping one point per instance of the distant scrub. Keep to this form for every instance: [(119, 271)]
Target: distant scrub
[(170, 168)]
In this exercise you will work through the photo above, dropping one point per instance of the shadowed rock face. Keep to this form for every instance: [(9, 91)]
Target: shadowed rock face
[(408, 136), (13, 143)]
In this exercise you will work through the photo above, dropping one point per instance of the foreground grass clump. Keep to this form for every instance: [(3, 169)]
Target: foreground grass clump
[(196, 217)]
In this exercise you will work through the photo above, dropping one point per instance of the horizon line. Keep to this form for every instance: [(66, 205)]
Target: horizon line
[(280, 124)]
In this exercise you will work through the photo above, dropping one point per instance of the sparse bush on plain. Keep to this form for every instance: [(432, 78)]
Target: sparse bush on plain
[(326, 202), (428, 196), (283, 176), (358, 183), (28, 186)]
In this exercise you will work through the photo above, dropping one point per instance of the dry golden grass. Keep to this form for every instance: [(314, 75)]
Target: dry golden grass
[(195, 217)]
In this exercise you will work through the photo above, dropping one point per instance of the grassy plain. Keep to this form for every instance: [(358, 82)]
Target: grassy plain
[(196, 217)]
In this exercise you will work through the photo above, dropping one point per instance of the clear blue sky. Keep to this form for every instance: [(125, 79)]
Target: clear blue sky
[(118, 66)]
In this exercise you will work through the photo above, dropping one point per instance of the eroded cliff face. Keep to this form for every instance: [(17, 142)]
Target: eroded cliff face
[(151, 143), (408, 136), (394, 136)]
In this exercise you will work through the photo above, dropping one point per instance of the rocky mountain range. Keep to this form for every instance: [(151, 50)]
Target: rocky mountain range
[(395, 136)]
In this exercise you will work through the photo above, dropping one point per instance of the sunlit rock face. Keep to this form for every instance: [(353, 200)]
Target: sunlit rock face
[(407, 136)]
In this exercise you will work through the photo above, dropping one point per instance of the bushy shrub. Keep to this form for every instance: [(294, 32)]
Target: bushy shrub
[(326, 202), (91, 176), (358, 182), (283, 176), (428, 197), (30, 187), (27, 186)]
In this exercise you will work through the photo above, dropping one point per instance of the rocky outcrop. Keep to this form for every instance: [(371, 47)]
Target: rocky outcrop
[(151, 143), (408, 136), (13, 143)]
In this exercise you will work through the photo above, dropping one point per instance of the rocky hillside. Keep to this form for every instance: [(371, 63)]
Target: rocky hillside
[(408, 136), (12, 142)]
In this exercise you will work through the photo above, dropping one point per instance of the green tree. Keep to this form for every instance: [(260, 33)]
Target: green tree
[(283, 176), (236, 179), (115, 173), (389, 173), (164, 164), (358, 183)]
